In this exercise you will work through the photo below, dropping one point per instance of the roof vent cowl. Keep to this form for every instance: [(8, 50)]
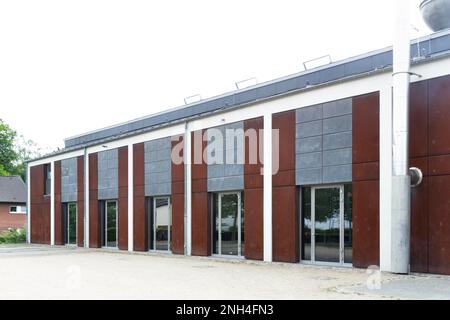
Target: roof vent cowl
[(436, 14)]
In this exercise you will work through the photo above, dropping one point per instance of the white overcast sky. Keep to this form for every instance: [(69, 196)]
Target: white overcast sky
[(68, 67)]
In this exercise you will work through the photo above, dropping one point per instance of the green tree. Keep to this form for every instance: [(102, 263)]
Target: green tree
[(8, 154), (15, 151)]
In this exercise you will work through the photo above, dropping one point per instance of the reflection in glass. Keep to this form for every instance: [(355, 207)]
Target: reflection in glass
[(228, 233), (71, 223), (348, 224), (111, 224), (307, 223), (229, 224), (162, 224), (216, 223), (327, 225), (242, 226)]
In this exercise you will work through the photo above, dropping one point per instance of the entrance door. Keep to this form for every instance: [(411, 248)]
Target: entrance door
[(111, 224), (162, 224), (71, 224), (327, 225), (228, 225)]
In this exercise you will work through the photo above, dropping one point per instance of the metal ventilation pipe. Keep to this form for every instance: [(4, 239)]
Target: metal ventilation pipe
[(401, 181), (436, 13)]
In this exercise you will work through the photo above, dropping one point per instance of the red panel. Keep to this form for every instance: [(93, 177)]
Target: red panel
[(285, 222), (94, 216), (422, 163), (419, 227), (40, 207), (177, 200), (80, 200), (123, 198), (366, 171), (439, 113), (366, 224), (285, 123), (439, 165), (418, 120), (366, 128), (178, 223), (253, 191), (253, 226), (366, 122), (439, 224), (140, 222), (201, 225), (59, 221)]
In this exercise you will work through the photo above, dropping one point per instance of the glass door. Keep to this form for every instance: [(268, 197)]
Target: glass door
[(111, 224), (71, 218), (229, 225), (162, 224), (327, 224)]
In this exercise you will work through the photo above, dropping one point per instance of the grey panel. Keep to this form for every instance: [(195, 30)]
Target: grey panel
[(158, 189), (229, 174), (337, 124), (308, 129), (309, 160), (69, 183), (108, 174), (337, 108), (309, 145), (309, 176), (337, 157), (337, 174), (226, 184), (337, 141), (324, 158), (158, 167), (308, 114)]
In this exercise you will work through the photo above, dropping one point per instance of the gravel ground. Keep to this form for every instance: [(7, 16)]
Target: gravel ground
[(35, 272)]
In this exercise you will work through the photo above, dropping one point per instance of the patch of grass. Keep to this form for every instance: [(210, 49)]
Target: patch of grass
[(13, 236)]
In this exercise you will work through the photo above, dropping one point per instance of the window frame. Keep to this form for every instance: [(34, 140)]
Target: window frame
[(19, 209), (47, 179)]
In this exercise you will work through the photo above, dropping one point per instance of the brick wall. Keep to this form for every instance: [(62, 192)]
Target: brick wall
[(8, 220)]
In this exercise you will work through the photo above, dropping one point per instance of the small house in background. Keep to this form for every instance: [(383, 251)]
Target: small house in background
[(13, 198)]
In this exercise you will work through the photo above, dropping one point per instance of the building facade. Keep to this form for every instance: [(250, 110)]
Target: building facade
[(294, 170), (13, 198)]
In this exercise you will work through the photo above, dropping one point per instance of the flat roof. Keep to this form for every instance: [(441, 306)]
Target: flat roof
[(422, 49)]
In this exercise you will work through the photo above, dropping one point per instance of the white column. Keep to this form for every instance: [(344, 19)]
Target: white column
[(130, 199), (188, 190), (385, 177), (267, 220), (52, 204), (28, 204), (86, 200)]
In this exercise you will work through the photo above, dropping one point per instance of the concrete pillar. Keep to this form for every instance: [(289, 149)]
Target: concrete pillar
[(130, 199), (188, 191), (267, 221), (52, 204)]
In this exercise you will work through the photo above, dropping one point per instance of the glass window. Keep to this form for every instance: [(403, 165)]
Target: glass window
[(47, 179), (162, 224), (348, 223), (109, 223), (72, 223), (18, 210), (228, 224), (327, 225), (307, 223)]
